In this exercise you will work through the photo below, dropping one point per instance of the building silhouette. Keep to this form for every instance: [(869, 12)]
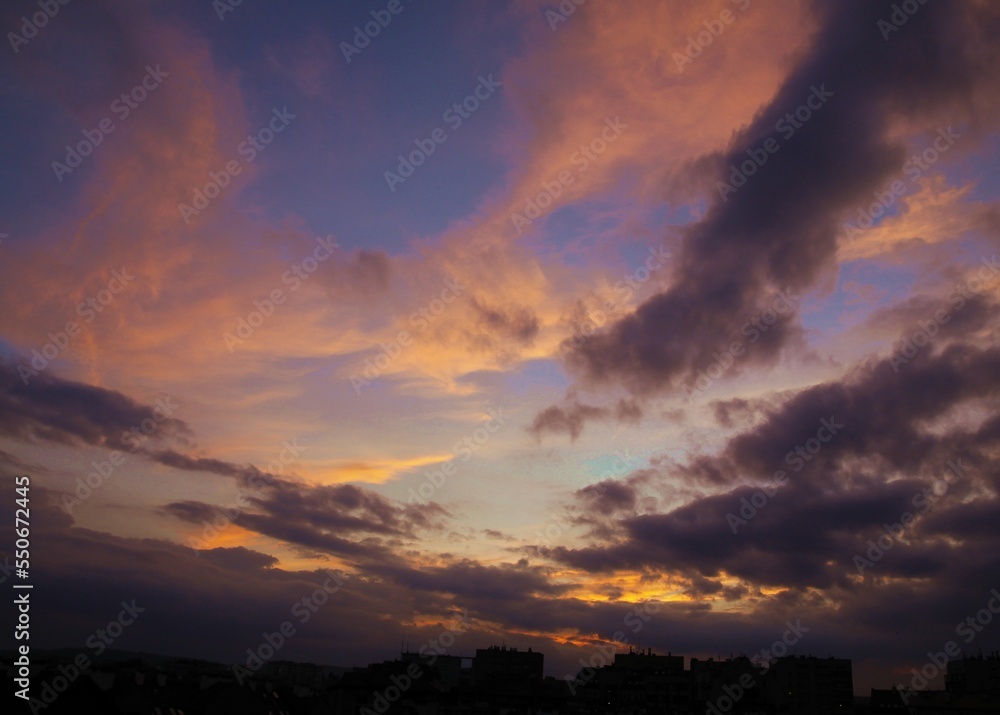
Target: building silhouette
[(803, 685), (499, 679), (974, 676), (500, 664)]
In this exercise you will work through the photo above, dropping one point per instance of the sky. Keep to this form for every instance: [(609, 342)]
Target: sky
[(529, 314)]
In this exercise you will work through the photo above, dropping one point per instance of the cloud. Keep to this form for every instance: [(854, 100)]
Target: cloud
[(613, 496), (498, 535), (189, 604), (894, 433), (359, 275), (57, 410), (171, 458), (571, 418), (517, 323), (343, 519), (470, 580), (62, 411), (780, 229)]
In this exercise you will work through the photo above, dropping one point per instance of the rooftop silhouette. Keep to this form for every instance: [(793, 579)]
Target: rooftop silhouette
[(497, 679)]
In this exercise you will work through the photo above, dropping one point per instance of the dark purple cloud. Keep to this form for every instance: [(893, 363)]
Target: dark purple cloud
[(342, 519), (779, 230), (57, 410), (900, 503), (217, 604), (571, 418)]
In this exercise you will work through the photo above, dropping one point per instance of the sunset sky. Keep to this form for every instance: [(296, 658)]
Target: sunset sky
[(532, 314)]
